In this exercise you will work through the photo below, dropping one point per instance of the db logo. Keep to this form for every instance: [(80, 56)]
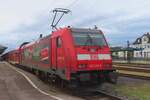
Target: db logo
[(44, 54), (94, 57)]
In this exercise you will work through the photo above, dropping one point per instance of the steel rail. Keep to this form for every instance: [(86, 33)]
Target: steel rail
[(132, 65), (134, 69), (134, 76), (97, 94), (111, 96)]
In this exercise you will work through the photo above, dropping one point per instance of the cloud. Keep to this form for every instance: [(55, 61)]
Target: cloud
[(16, 12), (24, 20)]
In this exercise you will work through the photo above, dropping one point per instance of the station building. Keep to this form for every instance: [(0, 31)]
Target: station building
[(142, 43)]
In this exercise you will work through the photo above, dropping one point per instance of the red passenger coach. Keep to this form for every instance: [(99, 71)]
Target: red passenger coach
[(70, 54), (12, 56)]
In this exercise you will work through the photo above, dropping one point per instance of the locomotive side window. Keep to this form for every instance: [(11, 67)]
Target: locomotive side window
[(89, 39), (59, 42)]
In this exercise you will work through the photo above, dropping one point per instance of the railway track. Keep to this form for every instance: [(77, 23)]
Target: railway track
[(134, 76), (136, 71), (110, 96), (98, 95), (132, 65)]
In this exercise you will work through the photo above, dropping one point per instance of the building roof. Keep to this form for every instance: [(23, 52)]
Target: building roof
[(139, 40), (2, 49)]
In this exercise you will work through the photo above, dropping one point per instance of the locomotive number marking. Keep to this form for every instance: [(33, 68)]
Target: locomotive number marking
[(94, 57)]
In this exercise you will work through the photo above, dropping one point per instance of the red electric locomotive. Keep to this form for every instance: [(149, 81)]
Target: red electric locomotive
[(70, 54)]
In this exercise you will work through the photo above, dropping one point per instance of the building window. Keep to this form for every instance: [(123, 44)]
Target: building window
[(145, 39), (148, 54), (138, 40), (137, 54), (145, 54)]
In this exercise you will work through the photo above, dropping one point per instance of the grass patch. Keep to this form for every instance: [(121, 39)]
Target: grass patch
[(140, 92)]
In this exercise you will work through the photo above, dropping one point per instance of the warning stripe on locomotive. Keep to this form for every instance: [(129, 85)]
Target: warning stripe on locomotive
[(93, 57)]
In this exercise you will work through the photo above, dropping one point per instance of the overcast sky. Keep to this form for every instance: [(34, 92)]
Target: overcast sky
[(120, 20)]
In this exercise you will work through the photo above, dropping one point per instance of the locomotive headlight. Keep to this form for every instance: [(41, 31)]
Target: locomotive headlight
[(82, 66)]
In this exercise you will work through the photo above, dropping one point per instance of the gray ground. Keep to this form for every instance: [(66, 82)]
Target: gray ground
[(13, 86), (50, 89)]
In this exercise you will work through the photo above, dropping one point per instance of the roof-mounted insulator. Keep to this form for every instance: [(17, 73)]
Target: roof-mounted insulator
[(41, 35), (95, 27)]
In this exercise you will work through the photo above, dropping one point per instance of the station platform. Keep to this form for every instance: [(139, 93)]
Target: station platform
[(13, 86)]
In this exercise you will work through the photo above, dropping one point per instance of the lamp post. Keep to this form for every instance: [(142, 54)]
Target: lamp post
[(128, 52)]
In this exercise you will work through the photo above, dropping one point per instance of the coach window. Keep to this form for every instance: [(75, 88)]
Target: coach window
[(59, 42)]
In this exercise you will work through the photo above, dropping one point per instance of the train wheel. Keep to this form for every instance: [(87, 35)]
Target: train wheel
[(42, 76), (73, 84), (33, 71), (113, 76), (63, 84), (36, 72), (51, 78)]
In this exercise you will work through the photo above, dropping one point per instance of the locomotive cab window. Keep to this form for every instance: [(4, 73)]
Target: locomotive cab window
[(58, 42), (89, 39)]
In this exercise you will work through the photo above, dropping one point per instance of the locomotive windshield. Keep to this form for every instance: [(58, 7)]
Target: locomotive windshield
[(89, 39)]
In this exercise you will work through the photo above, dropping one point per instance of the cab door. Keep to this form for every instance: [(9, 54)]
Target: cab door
[(57, 53), (60, 59), (53, 53)]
